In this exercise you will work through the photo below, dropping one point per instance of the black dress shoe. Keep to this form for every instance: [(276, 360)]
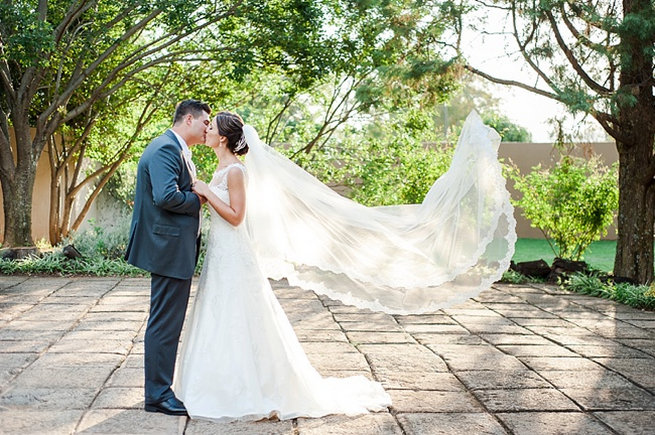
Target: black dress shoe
[(170, 406)]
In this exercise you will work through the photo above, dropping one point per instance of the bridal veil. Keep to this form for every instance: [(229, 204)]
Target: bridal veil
[(404, 259)]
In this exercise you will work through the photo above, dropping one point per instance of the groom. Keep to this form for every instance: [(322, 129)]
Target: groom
[(164, 240)]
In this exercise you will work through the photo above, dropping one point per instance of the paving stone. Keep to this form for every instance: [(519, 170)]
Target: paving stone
[(321, 335), (602, 399), (642, 345), (534, 313), (203, 427), (347, 373), (54, 399), (123, 421), (501, 379), (551, 323), (434, 329), (127, 377), (536, 350), (32, 421), (461, 357), (425, 381), (525, 400), (586, 339), (377, 423), (611, 350), (342, 361), (586, 379), (634, 315), (120, 398), (515, 339), (329, 348), (66, 345), (458, 338), (629, 422), (639, 370), (133, 361), (407, 401), (10, 334), (62, 377), (99, 325), (10, 281), (358, 337), (382, 326), (115, 317), (42, 325), (559, 331), (404, 358), (559, 363), (363, 317), (24, 346), (425, 319), (537, 423), (491, 328), (450, 423)]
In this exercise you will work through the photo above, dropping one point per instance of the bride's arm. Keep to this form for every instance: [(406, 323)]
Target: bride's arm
[(236, 211)]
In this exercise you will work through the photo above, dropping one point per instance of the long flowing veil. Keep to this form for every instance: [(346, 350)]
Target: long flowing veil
[(403, 259)]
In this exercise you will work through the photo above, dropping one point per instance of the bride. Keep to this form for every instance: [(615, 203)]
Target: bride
[(240, 358)]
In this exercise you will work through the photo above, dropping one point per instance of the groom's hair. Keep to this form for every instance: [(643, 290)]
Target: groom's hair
[(194, 107)]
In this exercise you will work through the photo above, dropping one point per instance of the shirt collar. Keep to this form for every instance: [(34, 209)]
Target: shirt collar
[(185, 147)]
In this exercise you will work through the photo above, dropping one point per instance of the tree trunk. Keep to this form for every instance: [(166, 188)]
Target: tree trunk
[(17, 202), (634, 248)]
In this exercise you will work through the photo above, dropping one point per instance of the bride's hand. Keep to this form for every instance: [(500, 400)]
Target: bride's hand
[(200, 187)]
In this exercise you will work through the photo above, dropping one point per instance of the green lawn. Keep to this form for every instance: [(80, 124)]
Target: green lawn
[(599, 255)]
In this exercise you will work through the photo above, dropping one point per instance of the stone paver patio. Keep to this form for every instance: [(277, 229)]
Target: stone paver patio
[(517, 359)]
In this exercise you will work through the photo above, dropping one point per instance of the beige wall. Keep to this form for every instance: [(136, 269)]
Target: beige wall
[(40, 199), (524, 155)]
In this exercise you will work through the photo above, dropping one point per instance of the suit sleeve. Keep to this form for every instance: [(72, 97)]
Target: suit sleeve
[(165, 170)]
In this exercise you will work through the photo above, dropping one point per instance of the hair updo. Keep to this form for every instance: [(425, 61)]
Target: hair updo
[(230, 125)]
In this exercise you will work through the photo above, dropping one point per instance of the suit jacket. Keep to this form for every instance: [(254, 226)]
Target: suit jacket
[(164, 236)]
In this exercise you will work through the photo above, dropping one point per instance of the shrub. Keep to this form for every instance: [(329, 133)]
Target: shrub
[(573, 204), (638, 296)]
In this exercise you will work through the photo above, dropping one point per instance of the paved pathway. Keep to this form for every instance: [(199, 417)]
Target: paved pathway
[(517, 359)]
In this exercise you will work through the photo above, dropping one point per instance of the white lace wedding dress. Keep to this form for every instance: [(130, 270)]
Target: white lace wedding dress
[(240, 358)]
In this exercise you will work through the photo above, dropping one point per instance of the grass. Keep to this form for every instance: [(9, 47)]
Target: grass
[(599, 255)]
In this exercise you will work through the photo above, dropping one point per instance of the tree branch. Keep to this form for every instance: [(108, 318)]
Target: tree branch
[(572, 60), (514, 83)]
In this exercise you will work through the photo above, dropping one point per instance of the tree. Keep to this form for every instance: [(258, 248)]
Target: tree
[(51, 50), (596, 57), (63, 65)]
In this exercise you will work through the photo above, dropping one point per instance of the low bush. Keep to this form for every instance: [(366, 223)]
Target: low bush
[(638, 296)]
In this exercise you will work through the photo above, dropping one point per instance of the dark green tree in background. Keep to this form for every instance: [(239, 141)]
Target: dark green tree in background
[(596, 57)]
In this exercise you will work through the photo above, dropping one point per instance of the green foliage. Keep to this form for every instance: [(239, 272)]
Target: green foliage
[(100, 242), (572, 204), (54, 263), (514, 277), (399, 164), (638, 296), (508, 131)]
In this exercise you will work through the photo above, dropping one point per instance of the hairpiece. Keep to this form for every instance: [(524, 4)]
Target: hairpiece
[(241, 144)]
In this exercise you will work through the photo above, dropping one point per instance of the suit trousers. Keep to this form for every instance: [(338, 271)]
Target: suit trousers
[(168, 302)]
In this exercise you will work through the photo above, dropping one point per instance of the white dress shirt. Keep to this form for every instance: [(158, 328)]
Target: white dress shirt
[(186, 152)]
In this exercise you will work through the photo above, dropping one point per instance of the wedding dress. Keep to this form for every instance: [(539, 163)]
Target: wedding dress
[(240, 358)]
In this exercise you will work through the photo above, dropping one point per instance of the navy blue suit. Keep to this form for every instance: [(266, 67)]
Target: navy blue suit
[(164, 240)]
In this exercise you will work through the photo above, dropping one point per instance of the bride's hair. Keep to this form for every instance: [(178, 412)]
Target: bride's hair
[(230, 125)]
